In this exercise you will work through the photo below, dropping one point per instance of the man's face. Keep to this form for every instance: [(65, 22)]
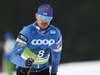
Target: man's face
[(42, 23)]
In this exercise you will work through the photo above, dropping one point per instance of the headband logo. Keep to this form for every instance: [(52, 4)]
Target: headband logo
[(46, 9)]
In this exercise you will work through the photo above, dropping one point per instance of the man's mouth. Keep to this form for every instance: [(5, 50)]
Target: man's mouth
[(44, 24)]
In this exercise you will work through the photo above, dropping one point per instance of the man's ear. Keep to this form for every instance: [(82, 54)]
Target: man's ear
[(36, 15)]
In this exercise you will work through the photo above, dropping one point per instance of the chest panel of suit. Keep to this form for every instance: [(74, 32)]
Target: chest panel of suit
[(41, 44)]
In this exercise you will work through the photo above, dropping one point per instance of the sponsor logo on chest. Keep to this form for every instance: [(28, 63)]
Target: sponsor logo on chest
[(43, 42)]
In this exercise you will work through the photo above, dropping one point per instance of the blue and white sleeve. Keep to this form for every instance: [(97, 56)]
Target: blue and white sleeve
[(56, 54), (19, 47)]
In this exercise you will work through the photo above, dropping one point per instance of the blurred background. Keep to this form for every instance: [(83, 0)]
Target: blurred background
[(78, 20)]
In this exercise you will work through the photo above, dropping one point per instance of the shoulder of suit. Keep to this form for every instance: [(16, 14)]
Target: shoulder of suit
[(30, 27), (54, 30)]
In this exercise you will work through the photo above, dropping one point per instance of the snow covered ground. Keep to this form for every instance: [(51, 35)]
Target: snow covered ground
[(80, 68), (77, 68)]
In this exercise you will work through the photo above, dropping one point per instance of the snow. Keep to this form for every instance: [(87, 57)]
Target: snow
[(80, 68)]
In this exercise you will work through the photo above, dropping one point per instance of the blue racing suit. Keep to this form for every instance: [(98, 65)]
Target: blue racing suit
[(33, 41)]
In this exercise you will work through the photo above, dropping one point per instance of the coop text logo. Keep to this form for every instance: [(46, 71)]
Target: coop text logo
[(43, 42)]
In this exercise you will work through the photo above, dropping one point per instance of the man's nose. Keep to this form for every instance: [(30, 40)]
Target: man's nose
[(45, 20)]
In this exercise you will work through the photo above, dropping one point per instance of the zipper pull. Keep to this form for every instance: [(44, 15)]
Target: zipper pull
[(42, 35)]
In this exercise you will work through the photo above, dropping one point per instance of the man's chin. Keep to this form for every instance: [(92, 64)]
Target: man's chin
[(43, 27)]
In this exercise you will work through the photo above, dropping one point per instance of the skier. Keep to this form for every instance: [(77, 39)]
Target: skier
[(9, 41), (34, 44)]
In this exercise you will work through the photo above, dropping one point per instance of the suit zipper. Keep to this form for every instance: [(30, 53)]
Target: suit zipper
[(42, 35)]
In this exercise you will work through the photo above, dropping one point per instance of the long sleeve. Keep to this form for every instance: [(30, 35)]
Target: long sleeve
[(19, 47), (56, 54)]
